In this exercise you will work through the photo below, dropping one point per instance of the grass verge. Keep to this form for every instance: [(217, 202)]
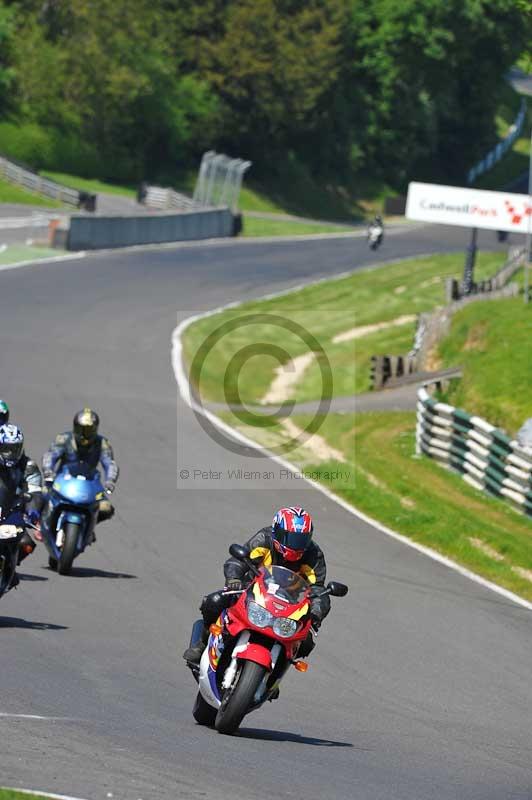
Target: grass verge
[(13, 794), (492, 342), (273, 227), (23, 252), (9, 193), (382, 477), (369, 459), (91, 185), (367, 297)]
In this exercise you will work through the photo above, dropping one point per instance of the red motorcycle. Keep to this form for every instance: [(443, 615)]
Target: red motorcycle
[(253, 643)]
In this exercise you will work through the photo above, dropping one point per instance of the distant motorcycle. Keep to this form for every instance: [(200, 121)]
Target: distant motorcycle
[(375, 236), (253, 644), (73, 504)]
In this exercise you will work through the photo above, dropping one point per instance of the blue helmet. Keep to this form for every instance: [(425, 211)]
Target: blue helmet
[(11, 445)]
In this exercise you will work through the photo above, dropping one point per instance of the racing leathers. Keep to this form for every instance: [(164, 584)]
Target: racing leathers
[(22, 478), (263, 553), (65, 451)]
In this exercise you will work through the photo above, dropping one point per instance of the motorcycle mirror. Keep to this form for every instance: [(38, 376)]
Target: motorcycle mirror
[(337, 589), (239, 552)]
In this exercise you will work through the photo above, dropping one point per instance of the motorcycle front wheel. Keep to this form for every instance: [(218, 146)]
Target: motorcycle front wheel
[(68, 553), (203, 713), (236, 704)]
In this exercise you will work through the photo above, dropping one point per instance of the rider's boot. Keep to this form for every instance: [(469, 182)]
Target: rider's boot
[(193, 653)]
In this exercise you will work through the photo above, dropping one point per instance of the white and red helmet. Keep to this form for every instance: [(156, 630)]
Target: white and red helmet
[(292, 532)]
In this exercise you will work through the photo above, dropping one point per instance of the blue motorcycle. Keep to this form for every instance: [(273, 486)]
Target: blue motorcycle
[(73, 503)]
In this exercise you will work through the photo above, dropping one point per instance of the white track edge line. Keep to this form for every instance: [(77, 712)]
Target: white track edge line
[(37, 793), (47, 260), (184, 390)]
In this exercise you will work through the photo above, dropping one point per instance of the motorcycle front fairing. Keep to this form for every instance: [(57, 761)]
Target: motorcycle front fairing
[(283, 595), (74, 497)]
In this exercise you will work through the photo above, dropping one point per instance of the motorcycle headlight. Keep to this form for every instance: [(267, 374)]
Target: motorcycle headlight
[(285, 627), (258, 615)]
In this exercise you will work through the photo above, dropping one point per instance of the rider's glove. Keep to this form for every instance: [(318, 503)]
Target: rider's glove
[(234, 585), (109, 487)]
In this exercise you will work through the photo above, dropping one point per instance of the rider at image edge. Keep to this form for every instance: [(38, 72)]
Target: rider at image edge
[(83, 445), (286, 543), (19, 475)]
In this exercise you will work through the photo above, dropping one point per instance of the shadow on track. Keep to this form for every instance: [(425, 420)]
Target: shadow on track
[(89, 572), (286, 736), (17, 622), (24, 577)]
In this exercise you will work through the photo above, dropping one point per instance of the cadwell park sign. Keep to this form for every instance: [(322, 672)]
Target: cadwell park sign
[(469, 208)]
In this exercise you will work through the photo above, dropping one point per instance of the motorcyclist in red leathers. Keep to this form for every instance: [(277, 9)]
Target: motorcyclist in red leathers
[(287, 543)]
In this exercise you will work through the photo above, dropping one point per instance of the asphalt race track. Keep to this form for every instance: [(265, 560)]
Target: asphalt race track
[(421, 685)]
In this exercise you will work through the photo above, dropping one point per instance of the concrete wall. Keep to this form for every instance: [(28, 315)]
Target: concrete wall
[(93, 233)]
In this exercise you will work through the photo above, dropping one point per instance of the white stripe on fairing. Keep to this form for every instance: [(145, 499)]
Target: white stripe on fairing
[(185, 392)]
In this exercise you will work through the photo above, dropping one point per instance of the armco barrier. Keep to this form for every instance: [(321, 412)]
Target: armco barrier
[(484, 455), (93, 233)]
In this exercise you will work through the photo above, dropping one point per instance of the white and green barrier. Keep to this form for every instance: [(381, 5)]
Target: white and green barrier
[(485, 456)]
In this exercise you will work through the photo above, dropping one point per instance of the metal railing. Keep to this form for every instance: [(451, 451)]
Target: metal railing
[(35, 183), (501, 148), (485, 456), (159, 197)]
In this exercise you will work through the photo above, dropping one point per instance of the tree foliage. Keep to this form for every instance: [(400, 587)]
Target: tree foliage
[(403, 89)]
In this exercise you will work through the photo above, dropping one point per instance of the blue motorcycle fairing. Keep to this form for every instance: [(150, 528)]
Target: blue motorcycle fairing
[(77, 489), (74, 497)]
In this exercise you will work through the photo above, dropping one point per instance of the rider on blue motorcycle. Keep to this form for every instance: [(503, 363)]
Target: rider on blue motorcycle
[(20, 475), (83, 445), (286, 543)]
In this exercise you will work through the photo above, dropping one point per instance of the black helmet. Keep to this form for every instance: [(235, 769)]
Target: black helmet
[(4, 412), (85, 427)]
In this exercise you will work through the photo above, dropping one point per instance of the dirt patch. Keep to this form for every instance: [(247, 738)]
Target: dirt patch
[(365, 330), (476, 337), (286, 377), (486, 549), (315, 443), (431, 282), (433, 361), (399, 289), (407, 502), (523, 573)]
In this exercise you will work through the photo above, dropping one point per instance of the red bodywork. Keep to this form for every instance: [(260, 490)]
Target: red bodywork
[(237, 621)]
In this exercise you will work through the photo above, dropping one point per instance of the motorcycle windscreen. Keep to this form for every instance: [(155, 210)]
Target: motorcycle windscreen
[(285, 584)]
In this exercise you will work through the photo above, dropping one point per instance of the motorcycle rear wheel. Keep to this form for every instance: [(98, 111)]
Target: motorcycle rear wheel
[(68, 553), (203, 713), (233, 710)]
